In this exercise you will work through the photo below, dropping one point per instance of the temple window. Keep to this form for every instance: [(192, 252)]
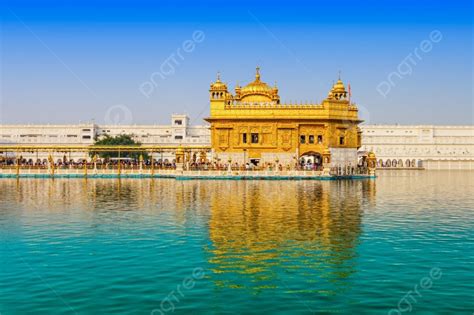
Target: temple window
[(320, 139), (254, 137), (244, 138), (311, 139), (302, 139), (341, 140)]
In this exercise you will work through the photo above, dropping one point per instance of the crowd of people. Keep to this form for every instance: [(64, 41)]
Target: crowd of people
[(80, 163), (170, 165)]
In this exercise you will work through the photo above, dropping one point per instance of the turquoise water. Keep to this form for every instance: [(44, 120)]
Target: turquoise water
[(400, 244)]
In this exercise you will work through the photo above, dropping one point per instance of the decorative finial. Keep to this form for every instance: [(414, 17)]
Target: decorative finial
[(218, 75), (339, 77), (257, 74)]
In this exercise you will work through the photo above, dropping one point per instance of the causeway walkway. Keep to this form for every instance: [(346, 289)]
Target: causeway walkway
[(178, 174)]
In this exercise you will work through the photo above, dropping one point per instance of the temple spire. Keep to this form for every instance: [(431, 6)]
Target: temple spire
[(257, 74)]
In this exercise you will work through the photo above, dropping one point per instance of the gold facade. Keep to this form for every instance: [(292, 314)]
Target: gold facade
[(252, 123)]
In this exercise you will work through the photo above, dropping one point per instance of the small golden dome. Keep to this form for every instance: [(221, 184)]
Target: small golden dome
[(218, 85), (339, 87), (331, 94)]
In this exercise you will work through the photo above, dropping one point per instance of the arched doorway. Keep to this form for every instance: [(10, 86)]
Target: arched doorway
[(311, 160)]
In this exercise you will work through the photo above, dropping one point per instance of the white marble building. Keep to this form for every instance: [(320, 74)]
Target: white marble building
[(430, 147), (178, 132)]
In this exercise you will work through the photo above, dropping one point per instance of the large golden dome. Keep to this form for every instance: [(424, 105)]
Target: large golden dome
[(258, 91)]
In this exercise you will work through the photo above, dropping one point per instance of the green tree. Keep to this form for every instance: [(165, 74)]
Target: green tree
[(120, 140)]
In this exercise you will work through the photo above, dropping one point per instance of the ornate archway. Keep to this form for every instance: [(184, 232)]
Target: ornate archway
[(407, 163), (311, 159)]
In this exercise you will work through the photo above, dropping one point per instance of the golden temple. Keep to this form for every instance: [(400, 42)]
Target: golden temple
[(253, 126)]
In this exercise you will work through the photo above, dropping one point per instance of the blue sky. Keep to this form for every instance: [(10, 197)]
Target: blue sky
[(72, 61)]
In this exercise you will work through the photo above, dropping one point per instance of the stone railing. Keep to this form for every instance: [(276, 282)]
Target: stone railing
[(271, 105)]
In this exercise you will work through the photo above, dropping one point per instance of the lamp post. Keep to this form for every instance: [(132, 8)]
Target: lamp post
[(326, 162), (152, 165), (17, 165), (162, 162), (140, 163), (119, 164), (179, 158), (95, 163), (51, 163), (85, 166), (371, 163), (230, 165)]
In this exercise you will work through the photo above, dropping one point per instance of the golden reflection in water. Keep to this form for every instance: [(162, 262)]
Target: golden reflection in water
[(266, 232)]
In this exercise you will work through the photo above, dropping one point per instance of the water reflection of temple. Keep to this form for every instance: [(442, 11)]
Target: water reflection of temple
[(261, 234), (296, 234)]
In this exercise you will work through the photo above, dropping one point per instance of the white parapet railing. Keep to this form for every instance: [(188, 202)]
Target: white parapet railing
[(140, 172)]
